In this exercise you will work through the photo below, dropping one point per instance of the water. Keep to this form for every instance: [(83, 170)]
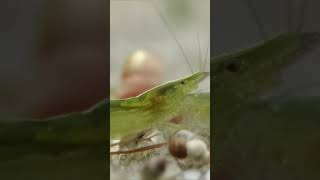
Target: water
[(136, 25)]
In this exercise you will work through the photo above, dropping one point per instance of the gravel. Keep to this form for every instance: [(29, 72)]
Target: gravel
[(160, 164)]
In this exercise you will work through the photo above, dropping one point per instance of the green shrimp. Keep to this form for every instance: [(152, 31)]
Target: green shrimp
[(155, 105)]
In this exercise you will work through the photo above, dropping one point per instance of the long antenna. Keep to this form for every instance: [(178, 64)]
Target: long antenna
[(302, 15), (206, 56), (256, 19), (172, 34), (199, 49)]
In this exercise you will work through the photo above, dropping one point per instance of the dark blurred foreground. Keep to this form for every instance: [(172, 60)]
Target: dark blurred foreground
[(54, 60), (54, 56)]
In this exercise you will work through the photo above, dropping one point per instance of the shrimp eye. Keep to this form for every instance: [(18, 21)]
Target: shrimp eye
[(182, 82), (232, 67)]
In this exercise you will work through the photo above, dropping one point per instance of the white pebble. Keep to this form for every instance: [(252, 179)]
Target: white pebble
[(207, 175), (196, 149), (190, 175)]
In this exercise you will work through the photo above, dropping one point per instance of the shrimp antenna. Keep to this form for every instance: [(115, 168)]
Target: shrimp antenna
[(206, 56), (302, 15), (199, 49), (172, 34), (256, 19)]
